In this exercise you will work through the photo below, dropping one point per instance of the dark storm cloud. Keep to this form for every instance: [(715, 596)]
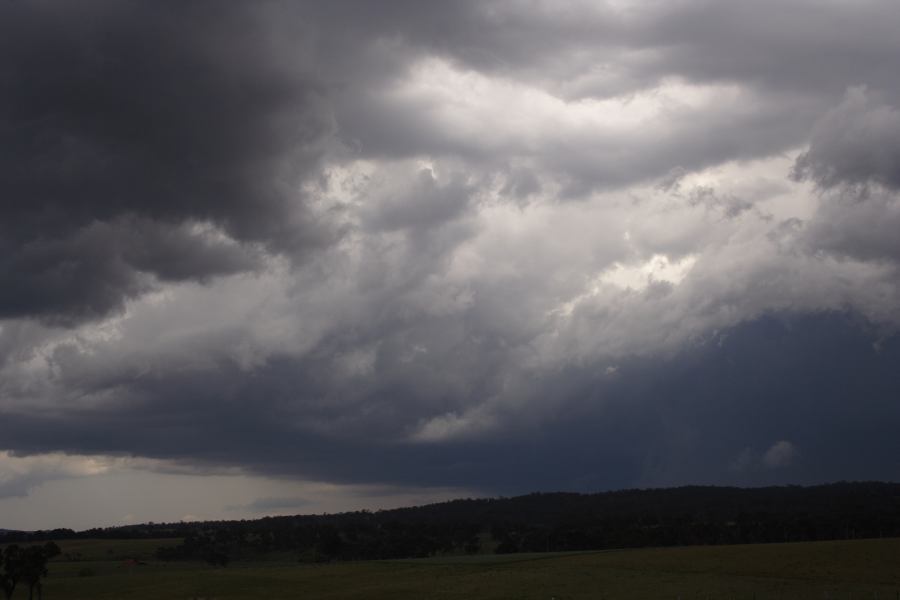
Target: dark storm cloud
[(444, 317), (164, 115), (815, 382), (182, 113), (91, 270)]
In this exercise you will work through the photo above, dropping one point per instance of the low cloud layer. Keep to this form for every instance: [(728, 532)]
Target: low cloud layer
[(481, 246)]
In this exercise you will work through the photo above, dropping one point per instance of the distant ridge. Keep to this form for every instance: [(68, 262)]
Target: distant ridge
[(538, 522)]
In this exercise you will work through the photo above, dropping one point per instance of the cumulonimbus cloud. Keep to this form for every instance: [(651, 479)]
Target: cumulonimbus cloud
[(368, 246)]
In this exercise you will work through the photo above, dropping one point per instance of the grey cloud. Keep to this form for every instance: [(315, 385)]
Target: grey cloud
[(657, 422), (863, 228), (521, 183), (95, 268), (854, 160), (580, 158), (693, 140), (19, 486), (765, 50), (174, 116), (455, 324), (424, 205), (802, 45), (606, 50), (164, 114), (330, 414), (856, 143)]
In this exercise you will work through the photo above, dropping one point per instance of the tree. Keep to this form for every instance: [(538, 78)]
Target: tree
[(12, 563), (35, 566), (28, 565)]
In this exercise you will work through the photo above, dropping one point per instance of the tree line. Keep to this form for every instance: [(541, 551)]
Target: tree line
[(559, 522), (540, 522)]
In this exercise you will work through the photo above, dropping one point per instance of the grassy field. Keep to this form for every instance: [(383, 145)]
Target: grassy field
[(864, 569)]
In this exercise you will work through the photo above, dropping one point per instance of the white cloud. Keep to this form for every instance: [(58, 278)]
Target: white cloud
[(781, 454), (449, 426)]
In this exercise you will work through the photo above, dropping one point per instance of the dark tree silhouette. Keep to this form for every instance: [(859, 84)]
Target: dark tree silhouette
[(35, 566), (534, 523), (12, 569), (560, 522), (28, 565)]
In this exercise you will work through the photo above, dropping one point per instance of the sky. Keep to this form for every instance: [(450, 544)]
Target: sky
[(302, 257)]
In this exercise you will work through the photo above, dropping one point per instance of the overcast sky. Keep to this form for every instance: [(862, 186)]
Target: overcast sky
[(279, 257)]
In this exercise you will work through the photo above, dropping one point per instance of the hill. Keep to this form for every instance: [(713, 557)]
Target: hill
[(537, 522)]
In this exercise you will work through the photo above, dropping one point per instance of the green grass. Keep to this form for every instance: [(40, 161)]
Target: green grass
[(864, 569)]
